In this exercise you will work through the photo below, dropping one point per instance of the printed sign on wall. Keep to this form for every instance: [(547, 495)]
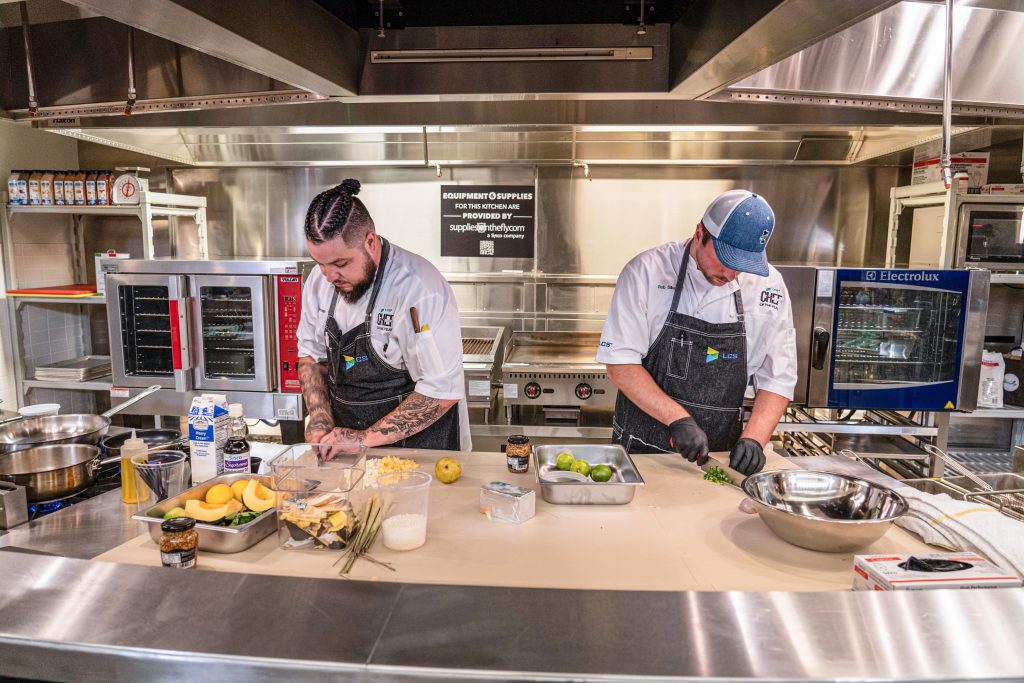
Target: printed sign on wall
[(487, 220)]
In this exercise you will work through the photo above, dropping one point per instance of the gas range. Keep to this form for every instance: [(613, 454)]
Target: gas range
[(107, 479)]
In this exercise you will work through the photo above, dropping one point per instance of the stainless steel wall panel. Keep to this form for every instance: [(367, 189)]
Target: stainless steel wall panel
[(826, 216)]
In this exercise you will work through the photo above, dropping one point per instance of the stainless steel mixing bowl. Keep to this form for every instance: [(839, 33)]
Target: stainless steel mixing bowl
[(822, 511)]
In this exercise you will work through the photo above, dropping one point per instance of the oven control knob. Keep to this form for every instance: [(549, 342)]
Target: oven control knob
[(584, 391), (532, 390)]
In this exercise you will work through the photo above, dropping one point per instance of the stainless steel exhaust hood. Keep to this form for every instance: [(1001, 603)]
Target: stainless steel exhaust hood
[(779, 82)]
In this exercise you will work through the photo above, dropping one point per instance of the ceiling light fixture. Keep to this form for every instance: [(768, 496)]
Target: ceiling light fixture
[(547, 54)]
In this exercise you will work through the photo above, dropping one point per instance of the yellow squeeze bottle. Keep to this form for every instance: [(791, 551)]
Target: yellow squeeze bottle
[(132, 447)]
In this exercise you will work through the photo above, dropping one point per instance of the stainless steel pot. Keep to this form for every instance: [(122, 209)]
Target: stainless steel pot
[(52, 472), (61, 429)]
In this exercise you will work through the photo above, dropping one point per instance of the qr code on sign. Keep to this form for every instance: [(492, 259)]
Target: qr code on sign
[(487, 247)]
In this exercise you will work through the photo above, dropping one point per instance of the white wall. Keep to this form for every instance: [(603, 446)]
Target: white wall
[(24, 147)]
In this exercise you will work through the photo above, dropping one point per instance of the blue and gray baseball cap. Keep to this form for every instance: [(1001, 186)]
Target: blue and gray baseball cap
[(741, 224)]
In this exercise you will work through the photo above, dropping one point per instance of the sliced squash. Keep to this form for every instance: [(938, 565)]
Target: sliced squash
[(201, 511), (258, 497)]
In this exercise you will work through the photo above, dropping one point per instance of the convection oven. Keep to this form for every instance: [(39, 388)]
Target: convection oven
[(223, 326), (896, 339)]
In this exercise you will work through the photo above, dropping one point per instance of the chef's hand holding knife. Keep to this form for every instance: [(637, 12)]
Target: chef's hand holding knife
[(686, 436)]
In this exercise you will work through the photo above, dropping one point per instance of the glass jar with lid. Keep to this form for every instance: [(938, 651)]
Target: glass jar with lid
[(179, 541), (517, 453)]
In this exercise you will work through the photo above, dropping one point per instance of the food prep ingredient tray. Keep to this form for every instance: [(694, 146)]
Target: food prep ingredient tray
[(616, 491), (213, 538)]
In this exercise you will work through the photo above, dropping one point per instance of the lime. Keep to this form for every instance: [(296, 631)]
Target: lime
[(581, 466), (601, 473), (564, 461)]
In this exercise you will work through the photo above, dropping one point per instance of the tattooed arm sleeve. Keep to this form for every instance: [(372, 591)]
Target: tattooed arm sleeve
[(413, 415), (314, 391)]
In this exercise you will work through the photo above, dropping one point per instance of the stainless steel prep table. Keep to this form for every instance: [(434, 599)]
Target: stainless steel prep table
[(71, 619)]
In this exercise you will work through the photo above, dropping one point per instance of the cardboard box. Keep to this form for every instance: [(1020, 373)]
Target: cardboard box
[(974, 164), (103, 268), (208, 423), (962, 570), (1003, 188)]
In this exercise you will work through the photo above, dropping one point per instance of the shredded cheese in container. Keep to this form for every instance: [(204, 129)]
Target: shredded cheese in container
[(378, 466)]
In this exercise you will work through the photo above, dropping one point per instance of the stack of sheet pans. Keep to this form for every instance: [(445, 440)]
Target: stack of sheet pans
[(81, 369)]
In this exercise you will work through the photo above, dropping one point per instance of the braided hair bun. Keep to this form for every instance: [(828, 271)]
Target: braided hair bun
[(337, 212)]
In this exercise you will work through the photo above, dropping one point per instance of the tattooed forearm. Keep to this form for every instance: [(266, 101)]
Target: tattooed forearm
[(314, 392), (413, 415)]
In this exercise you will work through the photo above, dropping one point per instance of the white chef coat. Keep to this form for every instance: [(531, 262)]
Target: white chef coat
[(409, 280), (643, 295)]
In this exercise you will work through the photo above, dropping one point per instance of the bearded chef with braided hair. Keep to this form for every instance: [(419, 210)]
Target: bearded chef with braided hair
[(369, 377), (691, 325)]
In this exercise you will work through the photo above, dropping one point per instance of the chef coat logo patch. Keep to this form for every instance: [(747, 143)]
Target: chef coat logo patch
[(771, 297), (714, 354), (350, 361), (385, 318)]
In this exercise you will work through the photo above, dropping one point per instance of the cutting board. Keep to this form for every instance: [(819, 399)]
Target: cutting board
[(70, 291)]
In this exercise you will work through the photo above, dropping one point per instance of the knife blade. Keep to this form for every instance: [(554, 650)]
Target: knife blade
[(735, 476)]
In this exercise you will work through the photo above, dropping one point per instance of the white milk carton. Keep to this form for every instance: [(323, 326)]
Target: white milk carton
[(207, 431)]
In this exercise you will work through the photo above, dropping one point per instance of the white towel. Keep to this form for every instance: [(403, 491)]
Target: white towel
[(965, 525)]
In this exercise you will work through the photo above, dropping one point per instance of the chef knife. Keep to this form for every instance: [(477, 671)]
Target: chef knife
[(735, 476)]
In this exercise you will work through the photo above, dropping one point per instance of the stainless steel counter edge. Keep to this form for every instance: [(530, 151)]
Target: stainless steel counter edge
[(67, 619)]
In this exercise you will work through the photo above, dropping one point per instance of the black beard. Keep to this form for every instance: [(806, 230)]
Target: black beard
[(360, 288)]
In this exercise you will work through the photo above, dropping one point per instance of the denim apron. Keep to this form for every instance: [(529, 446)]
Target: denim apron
[(700, 365), (364, 387)]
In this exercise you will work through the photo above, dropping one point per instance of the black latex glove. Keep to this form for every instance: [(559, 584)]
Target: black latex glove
[(686, 436), (746, 457)]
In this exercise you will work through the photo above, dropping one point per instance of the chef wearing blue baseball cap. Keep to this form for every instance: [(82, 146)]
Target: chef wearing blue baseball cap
[(691, 325)]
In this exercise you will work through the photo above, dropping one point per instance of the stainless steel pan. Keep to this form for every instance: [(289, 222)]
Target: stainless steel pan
[(61, 429), (52, 472)]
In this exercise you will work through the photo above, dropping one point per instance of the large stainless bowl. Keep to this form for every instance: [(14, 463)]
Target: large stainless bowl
[(833, 513)]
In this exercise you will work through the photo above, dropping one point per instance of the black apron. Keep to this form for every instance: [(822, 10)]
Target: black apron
[(364, 387), (703, 367)]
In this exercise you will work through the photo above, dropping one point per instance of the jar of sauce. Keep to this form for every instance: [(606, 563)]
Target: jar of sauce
[(517, 453), (179, 541)]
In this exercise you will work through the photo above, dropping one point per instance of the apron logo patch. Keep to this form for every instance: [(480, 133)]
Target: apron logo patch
[(715, 354), (771, 297), (351, 361), (385, 318)]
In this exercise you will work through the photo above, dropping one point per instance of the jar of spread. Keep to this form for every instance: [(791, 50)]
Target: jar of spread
[(517, 453), (179, 542)]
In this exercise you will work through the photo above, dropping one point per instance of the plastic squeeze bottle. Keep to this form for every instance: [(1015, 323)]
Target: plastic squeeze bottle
[(129, 489)]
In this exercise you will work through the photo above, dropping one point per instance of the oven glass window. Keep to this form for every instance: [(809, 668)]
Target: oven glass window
[(228, 342), (996, 236), (146, 331), (895, 335)]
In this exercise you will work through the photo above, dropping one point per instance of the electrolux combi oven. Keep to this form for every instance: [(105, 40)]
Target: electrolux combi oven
[(896, 339), (223, 326)]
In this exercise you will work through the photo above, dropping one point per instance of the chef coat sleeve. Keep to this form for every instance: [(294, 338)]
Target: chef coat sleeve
[(434, 360), (624, 339), (314, 315), (778, 371)]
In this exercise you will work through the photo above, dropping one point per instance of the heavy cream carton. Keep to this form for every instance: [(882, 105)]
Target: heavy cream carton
[(207, 432), (924, 572)]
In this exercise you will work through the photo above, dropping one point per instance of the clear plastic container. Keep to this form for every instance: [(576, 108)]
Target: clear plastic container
[(405, 498), (319, 499)]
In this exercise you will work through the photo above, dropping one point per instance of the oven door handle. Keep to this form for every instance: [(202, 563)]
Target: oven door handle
[(819, 347), (181, 356)]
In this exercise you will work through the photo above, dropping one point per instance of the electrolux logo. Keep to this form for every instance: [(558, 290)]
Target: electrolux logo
[(715, 354), (899, 276)]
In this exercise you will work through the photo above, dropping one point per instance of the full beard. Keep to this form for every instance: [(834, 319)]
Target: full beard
[(360, 288)]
